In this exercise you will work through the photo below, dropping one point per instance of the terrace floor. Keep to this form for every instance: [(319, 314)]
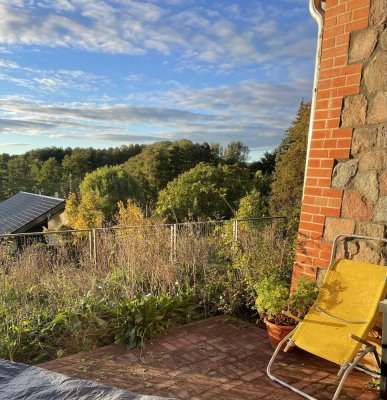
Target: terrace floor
[(216, 358)]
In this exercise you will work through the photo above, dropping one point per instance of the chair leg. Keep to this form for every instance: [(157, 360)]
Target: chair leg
[(280, 381), (344, 376), (351, 366)]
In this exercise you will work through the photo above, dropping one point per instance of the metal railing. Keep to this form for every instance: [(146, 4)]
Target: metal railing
[(171, 241)]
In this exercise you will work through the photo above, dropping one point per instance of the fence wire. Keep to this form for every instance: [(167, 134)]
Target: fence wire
[(145, 246)]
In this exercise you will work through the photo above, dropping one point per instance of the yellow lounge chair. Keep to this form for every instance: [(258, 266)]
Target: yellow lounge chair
[(340, 319)]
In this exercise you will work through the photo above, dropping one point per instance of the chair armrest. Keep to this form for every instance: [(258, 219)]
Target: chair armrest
[(290, 315), (338, 318)]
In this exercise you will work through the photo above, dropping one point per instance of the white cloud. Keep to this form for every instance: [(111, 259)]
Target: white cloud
[(253, 112), (8, 64), (198, 35)]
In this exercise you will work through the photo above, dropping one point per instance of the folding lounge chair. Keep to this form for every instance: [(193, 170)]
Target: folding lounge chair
[(340, 319)]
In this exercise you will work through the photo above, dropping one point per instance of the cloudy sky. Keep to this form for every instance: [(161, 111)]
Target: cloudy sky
[(109, 72)]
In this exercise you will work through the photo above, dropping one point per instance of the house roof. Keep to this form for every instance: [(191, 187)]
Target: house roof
[(23, 211)]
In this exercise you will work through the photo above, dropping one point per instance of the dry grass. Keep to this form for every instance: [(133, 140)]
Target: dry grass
[(53, 298)]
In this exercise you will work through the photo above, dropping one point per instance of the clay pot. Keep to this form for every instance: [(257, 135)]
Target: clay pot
[(277, 332)]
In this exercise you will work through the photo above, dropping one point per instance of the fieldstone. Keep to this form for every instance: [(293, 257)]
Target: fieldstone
[(372, 160), (383, 183), (372, 229), (375, 76), (335, 226), (366, 183), (383, 40), (368, 254), (343, 173), (356, 207), (364, 139), (382, 137), (381, 210), (346, 249), (354, 111), (378, 13), (362, 45), (378, 109)]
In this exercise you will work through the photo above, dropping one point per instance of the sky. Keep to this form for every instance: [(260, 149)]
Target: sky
[(103, 73)]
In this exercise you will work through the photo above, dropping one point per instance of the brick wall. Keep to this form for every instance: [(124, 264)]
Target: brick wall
[(350, 118)]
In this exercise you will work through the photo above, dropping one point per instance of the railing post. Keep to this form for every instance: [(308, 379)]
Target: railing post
[(235, 230), (94, 246), (173, 242), (383, 370), (91, 247)]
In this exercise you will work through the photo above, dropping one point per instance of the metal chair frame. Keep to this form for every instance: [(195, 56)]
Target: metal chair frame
[(346, 368)]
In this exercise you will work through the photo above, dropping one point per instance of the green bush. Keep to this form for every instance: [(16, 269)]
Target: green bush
[(273, 297), (145, 317)]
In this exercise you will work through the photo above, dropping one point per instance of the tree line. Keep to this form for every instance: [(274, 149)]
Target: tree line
[(169, 181)]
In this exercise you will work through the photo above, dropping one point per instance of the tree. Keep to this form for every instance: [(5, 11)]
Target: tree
[(266, 164), (235, 153), (20, 177), (106, 186), (203, 192), (288, 178), (253, 205), (50, 177), (130, 215), (161, 162), (83, 213)]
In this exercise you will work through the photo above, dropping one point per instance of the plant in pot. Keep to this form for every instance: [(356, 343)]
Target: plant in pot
[(274, 298)]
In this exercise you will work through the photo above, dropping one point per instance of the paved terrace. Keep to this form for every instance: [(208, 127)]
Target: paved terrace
[(214, 358)]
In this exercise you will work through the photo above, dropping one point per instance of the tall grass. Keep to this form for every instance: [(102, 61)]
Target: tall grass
[(59, 299)]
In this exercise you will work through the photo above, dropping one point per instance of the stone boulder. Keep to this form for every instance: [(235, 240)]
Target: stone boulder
[(363, 44), (366, 183), (375, 76), (378, 110), (343, 173), (354, 111)]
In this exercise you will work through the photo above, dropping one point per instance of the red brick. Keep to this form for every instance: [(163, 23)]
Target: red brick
[(335, 51), (333, 193), (330, 211), (354, 4), (318, 153), (340, 61), (328, 63), (361, 13), (343, 18), (348, 90), (351, 69), (353, 79), (342, 133), (339, 81), (356, 25), (312, 191), (334, 11), (332, 123), (329, 22), (342, 39), (324, 182), (338, 153)]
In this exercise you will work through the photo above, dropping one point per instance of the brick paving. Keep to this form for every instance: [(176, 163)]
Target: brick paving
[(216, 358)]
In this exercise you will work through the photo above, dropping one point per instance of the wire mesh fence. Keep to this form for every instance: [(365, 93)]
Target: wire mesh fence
[(143, 248)]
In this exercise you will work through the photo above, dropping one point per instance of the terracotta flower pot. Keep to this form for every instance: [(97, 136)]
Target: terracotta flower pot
[(277, 332)]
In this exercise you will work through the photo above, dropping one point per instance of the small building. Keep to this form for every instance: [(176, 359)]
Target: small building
[(28, 212)]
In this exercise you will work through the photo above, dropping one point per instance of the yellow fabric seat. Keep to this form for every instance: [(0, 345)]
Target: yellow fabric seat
[(351, 291), (339, 321)]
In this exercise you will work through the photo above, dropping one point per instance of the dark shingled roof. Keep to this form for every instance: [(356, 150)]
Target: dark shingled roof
[(21, 212)]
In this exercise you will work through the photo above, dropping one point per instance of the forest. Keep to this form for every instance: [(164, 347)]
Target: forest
[(165, 181)]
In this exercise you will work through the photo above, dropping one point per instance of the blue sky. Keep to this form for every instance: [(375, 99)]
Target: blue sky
[(105, 73)]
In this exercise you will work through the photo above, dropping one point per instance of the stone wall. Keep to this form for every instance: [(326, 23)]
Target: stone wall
[(346, 176)]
